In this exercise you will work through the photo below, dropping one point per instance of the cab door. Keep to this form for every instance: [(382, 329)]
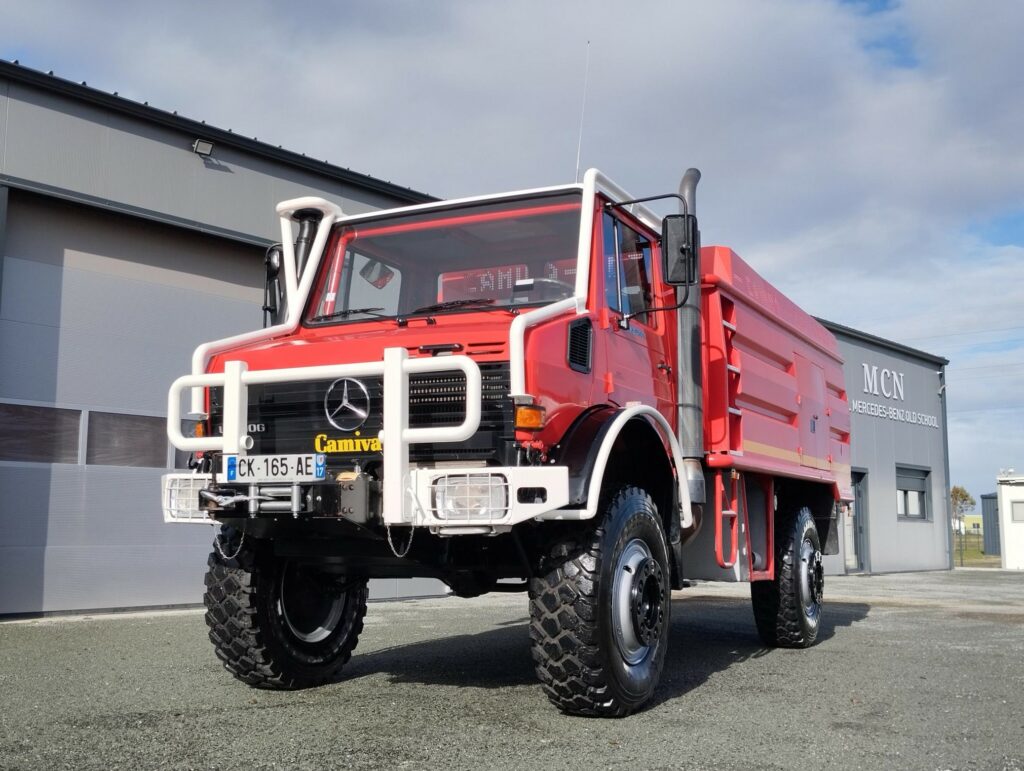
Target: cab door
[(638, 349)]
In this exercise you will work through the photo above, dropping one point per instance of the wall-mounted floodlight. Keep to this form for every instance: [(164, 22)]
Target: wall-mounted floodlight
[(202, 147)]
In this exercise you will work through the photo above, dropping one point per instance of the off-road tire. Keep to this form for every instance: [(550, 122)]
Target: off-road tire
[(582, 668), (252, 634), (786, 610)]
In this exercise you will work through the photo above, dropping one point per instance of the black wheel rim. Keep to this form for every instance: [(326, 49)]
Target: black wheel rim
[(309, 607), (812, 579)]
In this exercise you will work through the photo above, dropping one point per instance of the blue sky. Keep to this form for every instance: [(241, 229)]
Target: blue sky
[(1002, 230), (863, 156)]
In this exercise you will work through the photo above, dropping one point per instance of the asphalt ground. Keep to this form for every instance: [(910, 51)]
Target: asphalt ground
[(911, 671)]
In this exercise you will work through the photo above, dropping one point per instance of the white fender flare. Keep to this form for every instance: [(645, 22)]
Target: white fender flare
[(661, 425)]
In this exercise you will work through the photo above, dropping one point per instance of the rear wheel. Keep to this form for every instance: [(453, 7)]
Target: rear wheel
[(276, 623), (599, 611), (787, 610)]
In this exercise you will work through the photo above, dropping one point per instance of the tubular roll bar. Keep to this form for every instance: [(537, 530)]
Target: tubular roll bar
[(395, 437)]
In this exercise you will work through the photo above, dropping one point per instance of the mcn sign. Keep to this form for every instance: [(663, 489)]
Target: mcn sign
[(886, 382)]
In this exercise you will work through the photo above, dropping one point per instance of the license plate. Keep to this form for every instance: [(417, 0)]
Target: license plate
[(274, 468)]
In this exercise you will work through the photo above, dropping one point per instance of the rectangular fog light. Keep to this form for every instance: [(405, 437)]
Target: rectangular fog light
[(477, 497)]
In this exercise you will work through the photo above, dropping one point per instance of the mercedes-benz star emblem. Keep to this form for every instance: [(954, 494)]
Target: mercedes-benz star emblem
[(347, 404)]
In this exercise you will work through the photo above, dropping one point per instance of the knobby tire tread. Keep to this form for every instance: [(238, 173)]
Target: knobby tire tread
[(564, 625), (777, 610), (238, 637)]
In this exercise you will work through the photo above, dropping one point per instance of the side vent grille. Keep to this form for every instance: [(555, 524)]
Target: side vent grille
[(581, 344)]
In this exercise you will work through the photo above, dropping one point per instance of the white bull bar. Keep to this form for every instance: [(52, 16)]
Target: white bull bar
[(406, 492)]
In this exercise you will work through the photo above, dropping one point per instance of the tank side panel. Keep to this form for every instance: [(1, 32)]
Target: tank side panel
[(755, 338), (747, 282)]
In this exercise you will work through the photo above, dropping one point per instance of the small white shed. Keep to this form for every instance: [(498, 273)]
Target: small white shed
[(1010, 489)]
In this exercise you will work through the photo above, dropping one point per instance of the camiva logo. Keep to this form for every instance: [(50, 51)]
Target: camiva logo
[(358, 444)]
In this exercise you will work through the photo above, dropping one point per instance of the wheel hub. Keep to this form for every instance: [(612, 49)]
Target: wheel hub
[(647, 595), (812, 575), (638, 598), (819, 578)]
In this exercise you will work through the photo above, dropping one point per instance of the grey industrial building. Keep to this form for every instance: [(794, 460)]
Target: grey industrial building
[(899, 449), (123, 248)]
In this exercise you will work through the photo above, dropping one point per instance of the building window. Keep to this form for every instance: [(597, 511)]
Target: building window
[(1017, 511), (126, 440), (912, 493), (39, 434)]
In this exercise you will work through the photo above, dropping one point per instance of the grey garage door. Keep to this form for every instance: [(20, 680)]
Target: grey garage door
[(98, 313)]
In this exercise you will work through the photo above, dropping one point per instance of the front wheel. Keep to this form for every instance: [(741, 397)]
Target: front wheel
[(276, 623), (599, 611), (787, 610)]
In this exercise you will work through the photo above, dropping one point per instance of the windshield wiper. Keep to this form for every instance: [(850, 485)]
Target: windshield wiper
[(349, 312), (455, 304)]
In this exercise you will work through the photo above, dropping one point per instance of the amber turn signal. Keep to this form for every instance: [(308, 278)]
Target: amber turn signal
[(529, 417)]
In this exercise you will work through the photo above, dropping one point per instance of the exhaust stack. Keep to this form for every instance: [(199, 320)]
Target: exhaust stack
[(690, 390), (688, 190)]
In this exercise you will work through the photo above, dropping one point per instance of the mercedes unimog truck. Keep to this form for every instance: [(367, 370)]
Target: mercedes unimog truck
[(552, 391)]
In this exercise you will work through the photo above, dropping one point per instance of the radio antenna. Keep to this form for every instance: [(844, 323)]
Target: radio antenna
[(583, 111)]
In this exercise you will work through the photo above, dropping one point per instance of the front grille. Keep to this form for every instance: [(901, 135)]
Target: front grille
[(288, 417)]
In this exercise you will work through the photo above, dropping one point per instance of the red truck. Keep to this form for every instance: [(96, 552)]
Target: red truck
[(552, 391)]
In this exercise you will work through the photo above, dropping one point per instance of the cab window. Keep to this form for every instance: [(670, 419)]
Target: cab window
[(627, 269)]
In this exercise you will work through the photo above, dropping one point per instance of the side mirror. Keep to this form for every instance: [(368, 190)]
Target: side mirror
[(680, 249), (274, 305)]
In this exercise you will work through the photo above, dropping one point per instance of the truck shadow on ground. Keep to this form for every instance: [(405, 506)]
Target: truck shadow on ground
[(708, 635)]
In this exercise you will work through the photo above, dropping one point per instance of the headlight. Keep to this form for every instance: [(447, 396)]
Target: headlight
[(478, 497)]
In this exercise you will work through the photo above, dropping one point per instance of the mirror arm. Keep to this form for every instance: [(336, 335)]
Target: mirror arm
[(624, 321), (269, 307), (631, 201)]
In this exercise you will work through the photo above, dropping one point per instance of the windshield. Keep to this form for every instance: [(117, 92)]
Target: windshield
[(492, 255)]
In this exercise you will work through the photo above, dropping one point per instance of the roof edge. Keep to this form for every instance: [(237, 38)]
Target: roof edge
[(833, 327), (56, 84)]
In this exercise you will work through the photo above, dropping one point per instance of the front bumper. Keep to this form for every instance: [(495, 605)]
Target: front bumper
[(523, 493), (409, 493)]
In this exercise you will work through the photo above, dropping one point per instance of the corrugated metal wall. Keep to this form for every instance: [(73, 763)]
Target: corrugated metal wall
[(101, 304), (100, 312)]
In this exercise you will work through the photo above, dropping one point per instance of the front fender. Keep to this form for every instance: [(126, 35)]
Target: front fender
[(579, 447), (588, 444)]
